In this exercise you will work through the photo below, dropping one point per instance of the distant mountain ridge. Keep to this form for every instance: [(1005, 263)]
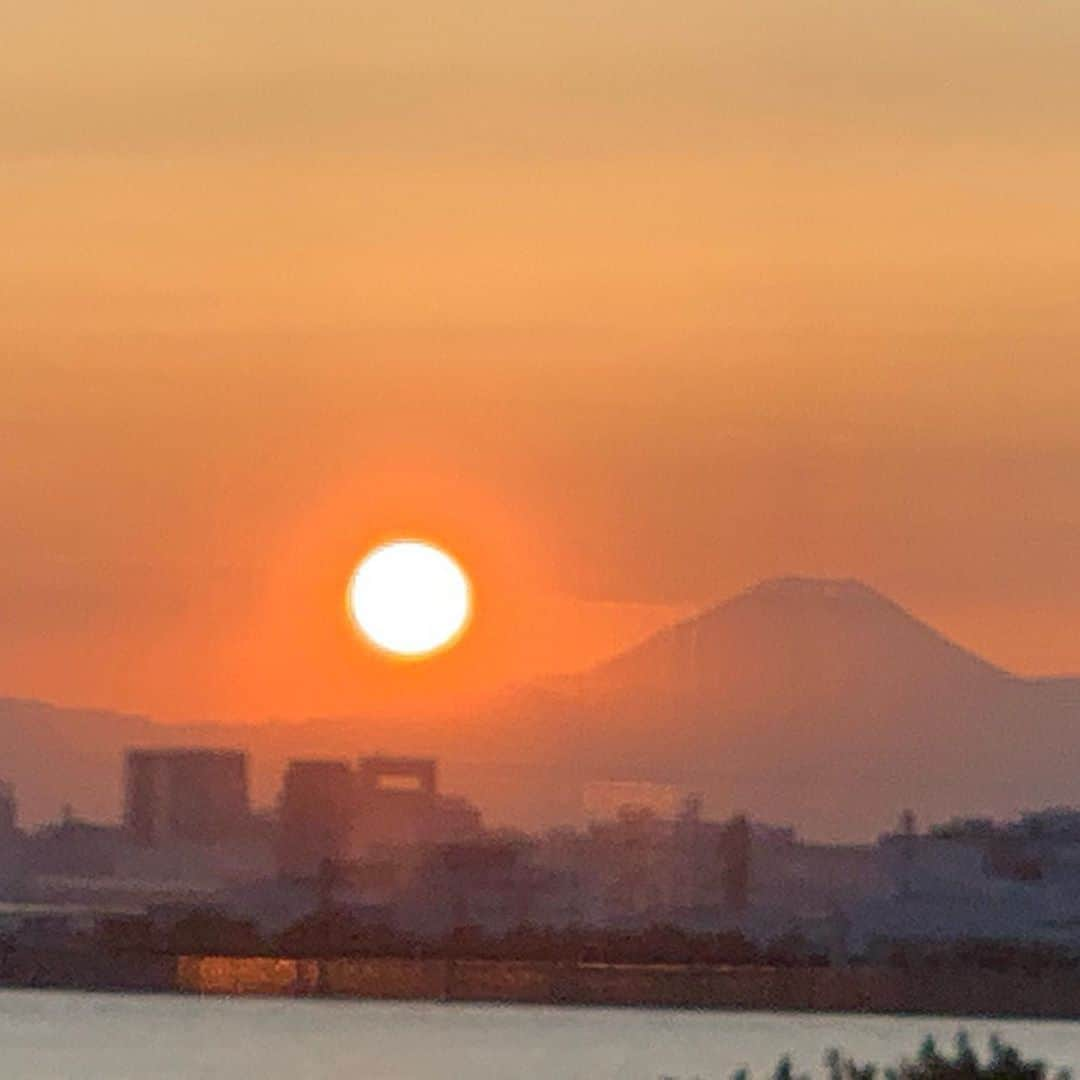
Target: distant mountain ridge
[(813, 701), (821, 623), (825, 703)]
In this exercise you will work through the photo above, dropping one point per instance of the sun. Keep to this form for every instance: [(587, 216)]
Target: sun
[(410, 598)]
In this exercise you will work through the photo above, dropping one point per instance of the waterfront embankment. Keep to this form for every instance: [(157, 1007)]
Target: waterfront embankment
[(806, 989)]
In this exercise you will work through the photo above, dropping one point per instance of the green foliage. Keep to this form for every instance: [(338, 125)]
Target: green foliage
[(840, 1068), (1005, 1063), (784, 1071)]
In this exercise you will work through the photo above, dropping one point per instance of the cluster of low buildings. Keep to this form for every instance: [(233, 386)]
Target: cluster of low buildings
[(377, 838)]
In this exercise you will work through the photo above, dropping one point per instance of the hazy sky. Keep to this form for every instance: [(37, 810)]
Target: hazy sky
[(631, 304)]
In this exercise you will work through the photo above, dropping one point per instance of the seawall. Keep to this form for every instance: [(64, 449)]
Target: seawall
[(849, 990), (856, 989)]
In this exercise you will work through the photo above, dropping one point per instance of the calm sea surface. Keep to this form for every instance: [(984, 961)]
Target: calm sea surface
[(47, 1035)]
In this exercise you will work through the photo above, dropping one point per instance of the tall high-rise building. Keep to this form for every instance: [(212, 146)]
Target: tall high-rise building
[(737, 858), (186, 796), (8, 811), (318, 806), (396, 801)]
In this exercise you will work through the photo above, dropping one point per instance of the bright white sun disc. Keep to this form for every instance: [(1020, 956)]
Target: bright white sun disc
[(410, 598)]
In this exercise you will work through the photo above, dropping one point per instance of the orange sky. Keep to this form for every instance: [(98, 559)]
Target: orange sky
[(629, 304)]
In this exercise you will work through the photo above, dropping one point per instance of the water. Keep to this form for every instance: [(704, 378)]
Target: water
[(49, 1035)]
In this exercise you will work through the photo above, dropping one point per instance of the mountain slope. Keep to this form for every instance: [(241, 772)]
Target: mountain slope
[(825, 703)]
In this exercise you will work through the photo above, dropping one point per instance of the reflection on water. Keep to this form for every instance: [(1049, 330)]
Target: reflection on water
[(48, 1035)]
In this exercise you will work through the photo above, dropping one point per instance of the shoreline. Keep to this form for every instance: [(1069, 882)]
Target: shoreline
[(851, 990)]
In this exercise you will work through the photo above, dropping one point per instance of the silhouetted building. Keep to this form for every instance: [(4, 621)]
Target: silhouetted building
[(8, 813), (338, 820), (457, 820), (737, 865), (487, 883), (318, 807), (396, 801), (182, 796), (11, 844), (630, 867), (74, 849)]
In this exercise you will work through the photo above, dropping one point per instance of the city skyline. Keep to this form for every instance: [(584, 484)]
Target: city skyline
[(817, 701), (568, 504), (374, 855)]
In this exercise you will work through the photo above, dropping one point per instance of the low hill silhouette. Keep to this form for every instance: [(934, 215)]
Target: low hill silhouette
[(817, 702)]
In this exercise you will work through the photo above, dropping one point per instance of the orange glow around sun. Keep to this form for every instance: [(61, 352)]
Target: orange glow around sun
[(298, 649), (410, 599)]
